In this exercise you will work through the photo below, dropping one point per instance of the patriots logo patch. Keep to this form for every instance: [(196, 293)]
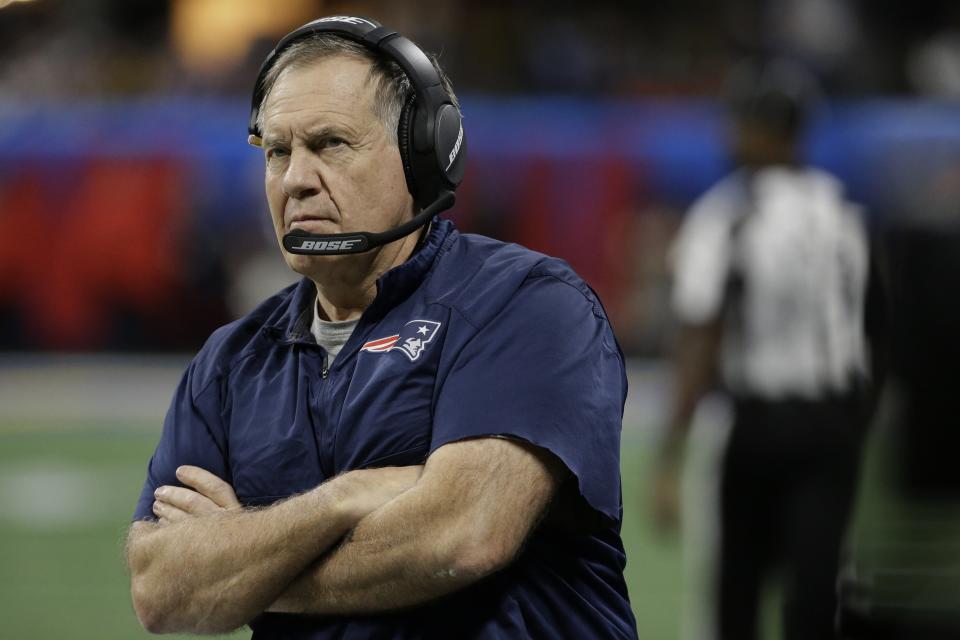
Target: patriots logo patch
[(412, 339)]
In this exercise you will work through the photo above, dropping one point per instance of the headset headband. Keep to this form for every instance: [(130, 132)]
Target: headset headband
[(422, 74)]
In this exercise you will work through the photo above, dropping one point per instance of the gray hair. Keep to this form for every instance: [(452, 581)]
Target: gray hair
[(392, 86)]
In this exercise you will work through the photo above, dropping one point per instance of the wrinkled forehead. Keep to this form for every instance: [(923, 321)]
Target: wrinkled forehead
[(340, 82)]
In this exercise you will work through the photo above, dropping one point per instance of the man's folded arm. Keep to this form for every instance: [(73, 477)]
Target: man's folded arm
[(466, 518), (214, 572)]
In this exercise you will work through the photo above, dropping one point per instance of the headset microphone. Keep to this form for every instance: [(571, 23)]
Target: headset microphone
[(312, 244)]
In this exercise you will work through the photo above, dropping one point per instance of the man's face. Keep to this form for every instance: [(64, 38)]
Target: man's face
[(331, 166), (757, 144)]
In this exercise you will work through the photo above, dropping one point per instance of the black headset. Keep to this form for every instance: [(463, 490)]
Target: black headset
[(429, 134)]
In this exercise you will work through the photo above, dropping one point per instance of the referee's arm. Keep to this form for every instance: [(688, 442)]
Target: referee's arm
[(694, 366), (700, 262)]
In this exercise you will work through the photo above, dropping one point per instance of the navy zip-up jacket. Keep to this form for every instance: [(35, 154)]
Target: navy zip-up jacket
[(470, 337)]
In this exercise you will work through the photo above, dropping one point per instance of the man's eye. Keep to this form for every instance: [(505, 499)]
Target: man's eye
[(334, 141), (276, 152)]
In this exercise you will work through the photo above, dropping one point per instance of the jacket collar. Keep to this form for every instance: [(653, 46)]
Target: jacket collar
[(291, 321)]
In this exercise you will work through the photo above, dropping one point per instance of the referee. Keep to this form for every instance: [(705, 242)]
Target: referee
[(770, 277)]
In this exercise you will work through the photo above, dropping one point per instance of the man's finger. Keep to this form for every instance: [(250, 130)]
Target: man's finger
[(209, 485), (186, 500), (168, 513)]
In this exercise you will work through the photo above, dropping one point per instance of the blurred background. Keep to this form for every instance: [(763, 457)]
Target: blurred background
[(133, 223)]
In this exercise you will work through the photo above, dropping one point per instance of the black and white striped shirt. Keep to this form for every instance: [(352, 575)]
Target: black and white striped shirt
[(786, 254)]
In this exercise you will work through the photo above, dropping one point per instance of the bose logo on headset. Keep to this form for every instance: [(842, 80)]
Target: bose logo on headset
[(347, 19), (456, 147), (328, 245)]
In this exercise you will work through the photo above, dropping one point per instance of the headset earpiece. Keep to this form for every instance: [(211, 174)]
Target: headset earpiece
[(435, 152)]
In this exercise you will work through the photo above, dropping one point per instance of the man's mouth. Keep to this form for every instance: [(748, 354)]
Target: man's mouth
[(311, 223)]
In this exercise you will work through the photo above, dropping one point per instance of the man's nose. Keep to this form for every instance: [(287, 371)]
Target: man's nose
[(302, 177)]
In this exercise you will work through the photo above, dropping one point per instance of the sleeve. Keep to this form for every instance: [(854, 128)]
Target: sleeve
[(192, 434), (547, 370), (700, 261)]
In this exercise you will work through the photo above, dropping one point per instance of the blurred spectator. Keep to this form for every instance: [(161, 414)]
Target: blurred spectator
[(59, 49), (934, 64), (824, 34), (771, 274)]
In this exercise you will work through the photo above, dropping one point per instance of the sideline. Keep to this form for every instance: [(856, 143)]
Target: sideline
[(44, 393)]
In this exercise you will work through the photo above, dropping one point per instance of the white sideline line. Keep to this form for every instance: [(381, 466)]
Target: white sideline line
[(41, 391), (51, 390)]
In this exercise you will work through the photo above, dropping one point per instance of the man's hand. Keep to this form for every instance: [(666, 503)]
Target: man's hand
[(363, 491), (213, 573), (665, 494), (209, 494)]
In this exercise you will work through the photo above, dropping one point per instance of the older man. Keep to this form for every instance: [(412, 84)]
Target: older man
[(286, 491)]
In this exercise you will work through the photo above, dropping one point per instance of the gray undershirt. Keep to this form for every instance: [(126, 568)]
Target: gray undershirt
[(331, 335)]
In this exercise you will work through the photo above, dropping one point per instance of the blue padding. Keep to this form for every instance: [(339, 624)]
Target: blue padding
[(677, 146)]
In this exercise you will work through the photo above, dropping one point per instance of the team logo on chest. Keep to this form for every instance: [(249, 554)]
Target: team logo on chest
[(412, 339)]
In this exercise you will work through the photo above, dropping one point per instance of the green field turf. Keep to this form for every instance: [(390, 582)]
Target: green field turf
[(66, 498)]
